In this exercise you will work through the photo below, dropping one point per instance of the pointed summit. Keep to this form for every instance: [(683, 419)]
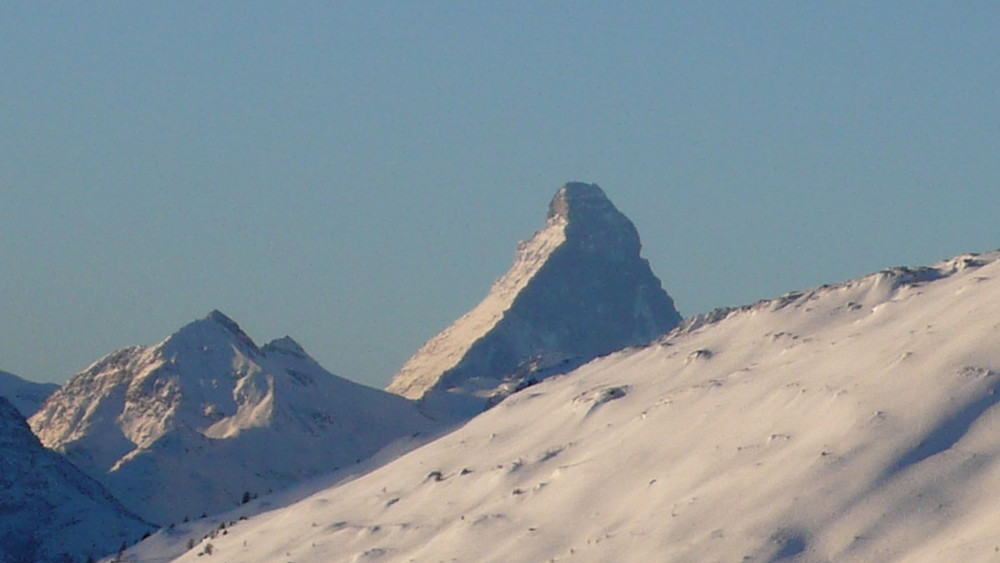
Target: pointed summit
[(580, 201), (578, 195), (592, 222), (285, 345), (578, 289), (215, 329), (217, 316)]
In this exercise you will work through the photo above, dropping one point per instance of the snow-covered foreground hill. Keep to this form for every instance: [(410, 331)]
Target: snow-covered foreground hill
[(855, 422)]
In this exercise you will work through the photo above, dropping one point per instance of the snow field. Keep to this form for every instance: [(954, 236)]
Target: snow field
[(855, 422)]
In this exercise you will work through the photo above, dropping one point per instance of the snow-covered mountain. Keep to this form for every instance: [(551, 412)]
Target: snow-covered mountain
[(26, 396), (206, 418), (578, 289), (852, 422), (50, 510)]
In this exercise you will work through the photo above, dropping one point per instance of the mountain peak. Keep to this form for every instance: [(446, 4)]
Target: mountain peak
[(182, 427), (578, 198), (285, 345), (212, 327), (218, 317), (577, 289), (592, 224)]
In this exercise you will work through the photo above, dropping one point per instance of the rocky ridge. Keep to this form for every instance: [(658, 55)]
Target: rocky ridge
[(578, 289)]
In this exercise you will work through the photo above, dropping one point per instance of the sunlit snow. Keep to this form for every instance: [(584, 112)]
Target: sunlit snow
[(853, 422)]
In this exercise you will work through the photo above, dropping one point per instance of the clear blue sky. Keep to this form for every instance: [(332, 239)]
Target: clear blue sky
[(356, 174)]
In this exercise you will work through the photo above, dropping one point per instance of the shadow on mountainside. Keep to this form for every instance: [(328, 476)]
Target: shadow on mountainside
[(949, 431)]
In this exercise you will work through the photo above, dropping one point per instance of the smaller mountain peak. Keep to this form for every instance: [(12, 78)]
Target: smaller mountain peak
[(285, 345), (576, 198), (219, 317), (201, 331)]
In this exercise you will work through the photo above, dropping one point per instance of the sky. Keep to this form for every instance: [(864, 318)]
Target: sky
[(356, 174)]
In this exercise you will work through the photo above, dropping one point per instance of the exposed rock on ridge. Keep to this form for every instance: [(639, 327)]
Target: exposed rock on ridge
[(578, 289)]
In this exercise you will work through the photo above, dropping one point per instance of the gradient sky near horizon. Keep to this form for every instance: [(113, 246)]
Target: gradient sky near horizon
[(356, 174)]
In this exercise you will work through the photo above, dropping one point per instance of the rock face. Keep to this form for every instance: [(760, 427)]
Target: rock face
[(50, 510), (578, 289), (191, 425), (26, 396)]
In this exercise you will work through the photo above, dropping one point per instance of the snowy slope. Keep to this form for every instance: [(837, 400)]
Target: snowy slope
[(26, 396), (49, 510), (190, 425), (577, 289), (853, 422)]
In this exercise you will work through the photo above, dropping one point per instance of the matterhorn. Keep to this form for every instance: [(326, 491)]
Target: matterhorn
[(578, 289)]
